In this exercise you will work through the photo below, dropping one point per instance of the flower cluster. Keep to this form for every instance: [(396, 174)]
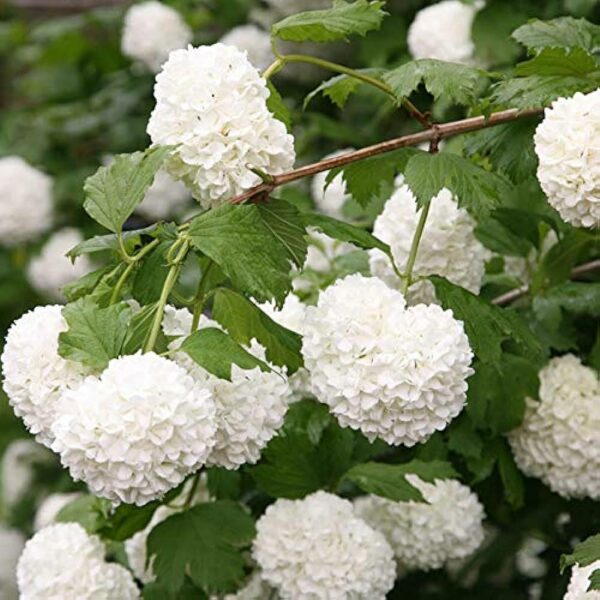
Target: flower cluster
[(151, 31), (330, 199), (580, 582), (448, 245), (559, 439), (443, 31), (164, 198), (52, 269), (25, 201), (254, 41), (63, 561), (316, 548), (393, 372), (211, 105), (427, 535), (568, 167)]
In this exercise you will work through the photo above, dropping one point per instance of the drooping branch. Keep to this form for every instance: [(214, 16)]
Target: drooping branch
[(441, 131)]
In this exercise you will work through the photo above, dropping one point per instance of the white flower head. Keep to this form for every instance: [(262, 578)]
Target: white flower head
[(443, 31), (63, 562), (211, 105), (254, 41), (448, 245), (52, 269), (316, 548), (35, 375), (568, 172), (427, 535), (330, 199), (151, 31), (392, 372), (559, 439), (164, 199), (12, 542), (25, 201), (580, 581), (48, 510), (528, 560), (136, 431)]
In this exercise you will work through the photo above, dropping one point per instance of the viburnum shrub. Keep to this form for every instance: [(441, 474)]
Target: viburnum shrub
[(388, 391)]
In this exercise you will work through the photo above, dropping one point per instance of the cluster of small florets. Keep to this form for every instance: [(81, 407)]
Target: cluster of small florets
[(316, 548), (52, 269), (568, 168), (330, 198), (580, 582), (63, 561), (393, 372), (25, 201), (151, 31), (443, 31), (559, 439), (427, 535), (254, 41), (448, 246), (211, 105)]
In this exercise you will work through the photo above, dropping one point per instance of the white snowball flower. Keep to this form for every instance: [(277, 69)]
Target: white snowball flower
[(136, 431), (528, 561), (448, 246), (253, 40), (48, 510), (316, 548), (443, 31), (393, 372), (211, 105), (580, 581), (323, 250), (559, 439), (35, 375), (330, 199), (12, 542), (18, 468), (25, 201), (164, 199), (52, 269), (565, 144), (63, 562), (151, 31), (427, 535)]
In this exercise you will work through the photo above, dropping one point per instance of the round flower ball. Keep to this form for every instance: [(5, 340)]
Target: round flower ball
[(12, 542), (63, 561), (25, 201), (580, 582), (211, 105), (567, 152), (427, 535), (448, 245), (164, 199), (392, 372), (52, 269), (330, 199), (316, 548), (136, 431), (151, 31), (559, 438), (254, 41), (48, 510), (35, 375), (443, 31)]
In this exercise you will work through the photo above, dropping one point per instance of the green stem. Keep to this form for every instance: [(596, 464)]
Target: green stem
[(200, 297), (192, 492), (414, 248), (275, 66), (116, 293), (122, 250)]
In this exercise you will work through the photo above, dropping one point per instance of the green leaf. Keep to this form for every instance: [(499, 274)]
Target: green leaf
[(215, 351), (564, 32), (244, 321), (453, 82), (113, 192), (475, 189), (583, 554), (223, 484), (486, 325), (151, 274), (336, 23), (390, 481), (239, 241), (594, 580), (95, 335), (139, 329), (90, 512), (556, 61), (339, 88), (86, 284), (110, 242), (512, 478), (278, 107), (344, 232), (573, 297), (284, 221), (206, 543)]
